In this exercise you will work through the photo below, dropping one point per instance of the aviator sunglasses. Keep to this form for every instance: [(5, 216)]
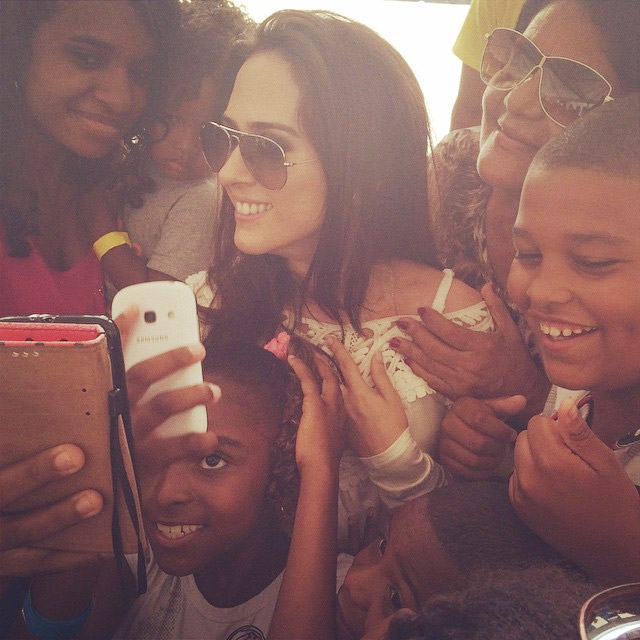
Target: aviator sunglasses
[(567, 88), (263, 157)]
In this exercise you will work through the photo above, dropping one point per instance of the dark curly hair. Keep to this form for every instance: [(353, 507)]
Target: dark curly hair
[(533, 603), (19, 21), (516, 586), (203, 47), (250, 365)]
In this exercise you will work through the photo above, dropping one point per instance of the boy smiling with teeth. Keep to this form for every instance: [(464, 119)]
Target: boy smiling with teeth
[(575, 278)]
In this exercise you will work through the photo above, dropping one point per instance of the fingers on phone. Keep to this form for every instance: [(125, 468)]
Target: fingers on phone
[(29, 474), (140, 376), (126, 320), (21, 530), (153, 413)]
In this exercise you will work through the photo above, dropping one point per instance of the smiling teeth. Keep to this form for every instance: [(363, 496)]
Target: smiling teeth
[(246, 209), (177, 530), (565, 332)]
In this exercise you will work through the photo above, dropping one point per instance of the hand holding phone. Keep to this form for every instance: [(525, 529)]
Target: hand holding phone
[(62, 381), (167, 319)]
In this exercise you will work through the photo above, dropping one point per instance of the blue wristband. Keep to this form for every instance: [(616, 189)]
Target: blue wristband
[(45, 629)]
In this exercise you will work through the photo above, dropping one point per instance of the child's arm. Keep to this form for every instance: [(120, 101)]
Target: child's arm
[(186, 237), (306, 602), (570, 489), (121, 263), (94, 592)]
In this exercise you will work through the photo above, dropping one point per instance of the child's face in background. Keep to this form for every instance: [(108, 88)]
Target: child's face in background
[(576, 275), (178, 154), (400, 570), (198, 510)]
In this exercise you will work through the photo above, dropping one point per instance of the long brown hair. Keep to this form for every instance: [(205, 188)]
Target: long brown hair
[(364, 112)]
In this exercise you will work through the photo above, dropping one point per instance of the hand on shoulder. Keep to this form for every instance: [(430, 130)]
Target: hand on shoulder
[(417, 285)]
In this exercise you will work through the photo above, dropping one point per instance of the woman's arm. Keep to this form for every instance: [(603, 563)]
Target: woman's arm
[(378, 432)]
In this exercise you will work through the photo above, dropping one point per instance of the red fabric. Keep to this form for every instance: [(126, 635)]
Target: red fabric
[(29, 285)]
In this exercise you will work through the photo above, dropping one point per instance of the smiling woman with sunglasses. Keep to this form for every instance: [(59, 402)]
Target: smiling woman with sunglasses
[(322, 153), (566, 58)]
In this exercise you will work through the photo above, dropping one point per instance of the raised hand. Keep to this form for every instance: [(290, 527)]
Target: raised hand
[(306, 608), (147, 416), (321, 439), (572, 491), (474, 438), (377, 414)]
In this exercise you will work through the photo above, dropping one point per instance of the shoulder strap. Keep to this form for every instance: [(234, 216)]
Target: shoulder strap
[(443, 291)]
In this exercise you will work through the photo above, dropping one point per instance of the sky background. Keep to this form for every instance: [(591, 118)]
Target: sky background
[(422, 32)]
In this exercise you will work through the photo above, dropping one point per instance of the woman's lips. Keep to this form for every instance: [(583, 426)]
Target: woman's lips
[(509, 140), (100, 124)]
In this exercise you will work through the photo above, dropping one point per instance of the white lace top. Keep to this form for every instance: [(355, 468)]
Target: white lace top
[(406, 469)]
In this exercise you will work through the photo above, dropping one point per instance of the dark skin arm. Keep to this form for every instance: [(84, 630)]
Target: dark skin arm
[(122, 265), (306, 607), (459, 362), (17, 532), (571, 490), (474, 438)]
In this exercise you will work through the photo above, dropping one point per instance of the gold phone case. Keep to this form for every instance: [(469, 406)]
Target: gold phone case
[(56, 386)]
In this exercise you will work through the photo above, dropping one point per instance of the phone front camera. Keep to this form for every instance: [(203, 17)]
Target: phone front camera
[(149, 316)]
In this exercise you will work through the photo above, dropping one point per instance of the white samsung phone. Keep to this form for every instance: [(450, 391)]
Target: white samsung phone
[(167, 320)]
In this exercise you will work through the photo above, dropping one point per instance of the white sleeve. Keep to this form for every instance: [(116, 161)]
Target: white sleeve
[(403, 472)]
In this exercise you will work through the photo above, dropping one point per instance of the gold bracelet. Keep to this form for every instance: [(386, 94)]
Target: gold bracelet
[(108, 241)]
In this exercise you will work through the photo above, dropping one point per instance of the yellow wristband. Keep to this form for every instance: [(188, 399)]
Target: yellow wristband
[(109, 241)]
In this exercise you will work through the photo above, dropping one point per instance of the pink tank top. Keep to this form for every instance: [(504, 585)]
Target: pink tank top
[(28, 285)]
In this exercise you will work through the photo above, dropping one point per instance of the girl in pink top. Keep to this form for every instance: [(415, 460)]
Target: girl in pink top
[(75, 78)]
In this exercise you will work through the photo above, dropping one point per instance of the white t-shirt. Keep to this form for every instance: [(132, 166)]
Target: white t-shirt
[(174, 609)]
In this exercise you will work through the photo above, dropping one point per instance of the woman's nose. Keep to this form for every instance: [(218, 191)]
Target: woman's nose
[(523, 99), (234, 170), (119, 92), (171, 486)]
